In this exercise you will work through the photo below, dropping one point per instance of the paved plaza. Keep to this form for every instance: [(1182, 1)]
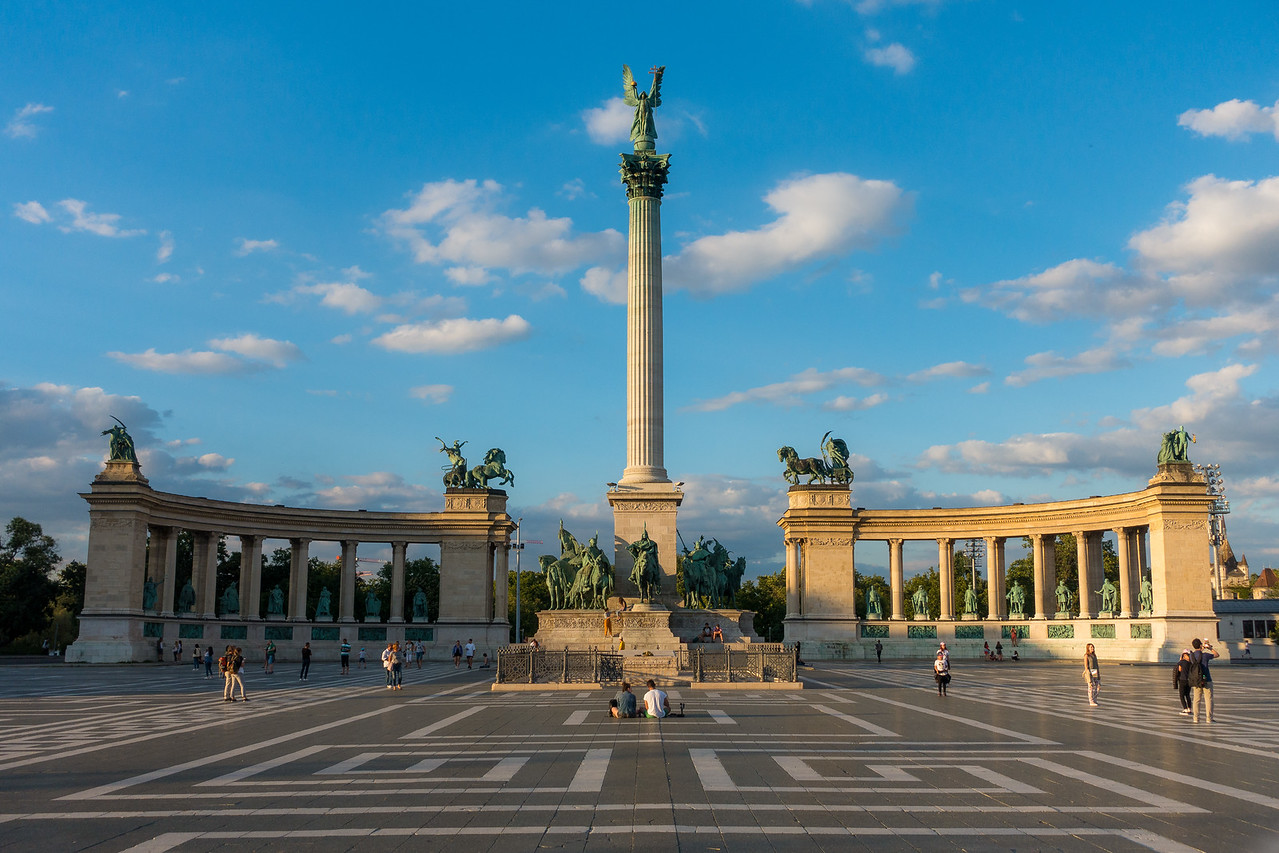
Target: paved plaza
[(148, 758)]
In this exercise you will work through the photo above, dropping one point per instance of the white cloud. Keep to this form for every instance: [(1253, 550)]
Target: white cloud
[(21, 126), (853, 404), (1233, 119), (165, 251), (895, 56), (980, 388), (204, 462), (247, 247), (949, 370), (345, 296), (573, 189), (609, 123), (276, 353), (341, 339), (186, 362), (31, 211), (468, 276), (1050, 365), (793, 390), (122, 93), (605, 284), (820, 216), (431, 394), (454, 222), (1073, 288), (102, 224), (165, 278), (378, 490), (455, 335)]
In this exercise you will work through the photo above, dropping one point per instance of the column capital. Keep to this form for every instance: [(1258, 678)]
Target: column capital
[(644, 174), (895, 542)]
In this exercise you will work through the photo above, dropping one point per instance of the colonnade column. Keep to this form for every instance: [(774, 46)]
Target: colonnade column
[(994, 577), (1083, 556), (895, 580), (204, 572), (250, 576), (1139, 562), (1037, 547), (398, 550), (1050, 575), (346, 603), (299, 558), (501, 581), (794, 600), (946, 568), (164, 553), (1123, 547)]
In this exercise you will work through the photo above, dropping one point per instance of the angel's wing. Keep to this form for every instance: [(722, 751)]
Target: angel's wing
[(628, 87)]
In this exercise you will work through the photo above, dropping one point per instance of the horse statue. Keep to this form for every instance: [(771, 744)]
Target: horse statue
[(455, 474), (646, 573), (699, 575), (835, 452), (733, 576), (594, 580), (560, 575), (815, 469), (494, 468)]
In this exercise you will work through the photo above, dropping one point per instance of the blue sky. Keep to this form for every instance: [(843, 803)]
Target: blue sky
[(997, 247)]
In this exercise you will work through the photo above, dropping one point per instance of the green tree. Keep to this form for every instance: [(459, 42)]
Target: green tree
[(421, 574), (534, 596), (766, 595), (322, 575), (27, 590)]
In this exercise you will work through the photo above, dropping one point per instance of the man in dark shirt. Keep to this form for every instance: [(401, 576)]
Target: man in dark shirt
[(1203, 652)]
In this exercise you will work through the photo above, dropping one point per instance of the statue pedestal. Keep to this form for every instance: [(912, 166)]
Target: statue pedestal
[(1106, 614), (275, 617), (328, 618), (375, 621), (1060, 615), (874, 617), (970, 617), (922, 617), (1144, 614)]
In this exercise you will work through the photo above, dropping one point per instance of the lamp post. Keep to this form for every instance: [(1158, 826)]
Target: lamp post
[(1217, 520)]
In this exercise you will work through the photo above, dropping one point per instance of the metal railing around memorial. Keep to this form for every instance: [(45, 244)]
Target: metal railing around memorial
[(750, 662), (523, 665)]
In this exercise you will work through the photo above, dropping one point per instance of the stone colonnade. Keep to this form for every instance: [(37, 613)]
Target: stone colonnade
[(1161, 532), (127, 517)]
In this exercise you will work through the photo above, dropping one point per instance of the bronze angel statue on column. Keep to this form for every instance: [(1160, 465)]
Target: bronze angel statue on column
[(643, 131)]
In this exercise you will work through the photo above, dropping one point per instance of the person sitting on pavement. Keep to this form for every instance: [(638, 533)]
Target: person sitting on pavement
[(655, 702), (717, 635), (706, 633), (623, 705)]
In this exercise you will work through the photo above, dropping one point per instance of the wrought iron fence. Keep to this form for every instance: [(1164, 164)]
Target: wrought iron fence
[(521, 664), (753, 662)]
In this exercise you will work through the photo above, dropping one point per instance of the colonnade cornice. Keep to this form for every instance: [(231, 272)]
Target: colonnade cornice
[(163, 509)]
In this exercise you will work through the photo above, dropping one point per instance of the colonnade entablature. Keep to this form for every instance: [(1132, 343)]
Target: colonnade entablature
[(131, 582), (1161, 535)]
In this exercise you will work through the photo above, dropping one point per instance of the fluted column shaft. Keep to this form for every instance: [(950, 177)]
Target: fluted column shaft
[(1123, 542), (346, 604), (299, 563), (398, 551), (250, 577), (896, 581), (204, 570), (644, 376), (1083, 555), (946, 568), (793, 599), (165, 554), (995, 601)]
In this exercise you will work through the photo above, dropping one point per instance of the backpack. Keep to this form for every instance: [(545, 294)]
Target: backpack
[(1195, 674), (223, 664)]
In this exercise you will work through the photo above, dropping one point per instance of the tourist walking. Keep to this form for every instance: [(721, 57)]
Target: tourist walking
[(999, 650), (421, 653), (196, 658), (268, 659), (224, 667), (208, 661), (1092, 674), (237, 673), (397, 667), (345, 650), (1181, 681), (879, 652), (470, 652), (457, 653), (1201, 679), (364, 660), (941, 672), (306, 661)]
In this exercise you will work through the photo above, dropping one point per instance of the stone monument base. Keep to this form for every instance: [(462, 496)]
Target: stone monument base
[(921, 617), (1060, 615), (970, 617), (645, 627)]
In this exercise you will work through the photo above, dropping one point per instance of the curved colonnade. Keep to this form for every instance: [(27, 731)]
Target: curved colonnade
[(1161, 533), (128, 519)]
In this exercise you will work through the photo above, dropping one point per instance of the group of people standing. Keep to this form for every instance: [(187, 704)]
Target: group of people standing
[(1193, 680)]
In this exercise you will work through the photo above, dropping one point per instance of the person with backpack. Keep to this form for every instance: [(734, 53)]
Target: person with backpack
[(1092, 674), (236, 672), (1181, 681), (1201, 679)]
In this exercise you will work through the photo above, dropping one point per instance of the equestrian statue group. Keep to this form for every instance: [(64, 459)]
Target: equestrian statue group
[(582, 578), (711, 576), (832, 467), (458, 476)]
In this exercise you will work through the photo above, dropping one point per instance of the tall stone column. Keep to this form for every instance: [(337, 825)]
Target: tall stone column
[(1083, 555), (794, 605), (398, 550), (996, 604), (164, 552), (896, 581), (501, 581), (346, 601), (250, 577), (1040, 575), (1123, 548), (299, 560), (204, 568), (946, 568), (644, 498)]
